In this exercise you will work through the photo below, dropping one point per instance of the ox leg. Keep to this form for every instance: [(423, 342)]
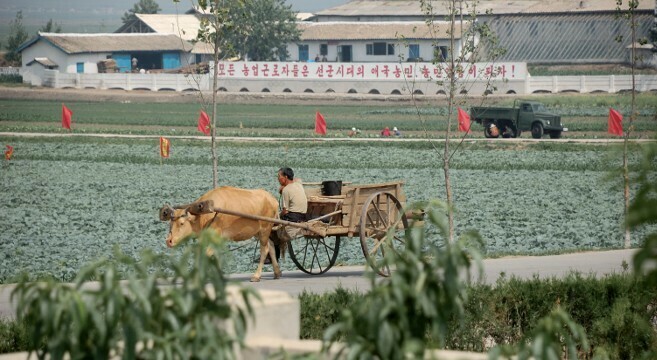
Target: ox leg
[(263, 254), (274, 261), (265, 249)]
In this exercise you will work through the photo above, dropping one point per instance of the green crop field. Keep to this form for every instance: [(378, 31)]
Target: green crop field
[(585, 116), (66, 201)]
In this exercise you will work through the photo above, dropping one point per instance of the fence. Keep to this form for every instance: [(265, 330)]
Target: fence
[(9, 71), (180, 82)]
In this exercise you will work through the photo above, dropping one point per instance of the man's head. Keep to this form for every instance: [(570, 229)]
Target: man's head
[(285, 175)]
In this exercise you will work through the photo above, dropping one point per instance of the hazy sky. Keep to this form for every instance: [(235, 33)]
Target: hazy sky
[(298, 5), (314, 5), (103, 15)]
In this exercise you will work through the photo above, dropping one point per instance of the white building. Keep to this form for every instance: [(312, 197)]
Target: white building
[(388, 41), (80, 53)]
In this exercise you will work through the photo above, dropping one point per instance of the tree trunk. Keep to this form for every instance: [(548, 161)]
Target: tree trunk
[(628, 130), (450, 108), (215, 86)]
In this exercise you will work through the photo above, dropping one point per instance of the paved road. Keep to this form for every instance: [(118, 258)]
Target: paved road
[(351, 277)]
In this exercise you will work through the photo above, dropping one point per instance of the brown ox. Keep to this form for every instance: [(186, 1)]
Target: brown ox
[(250, 202)]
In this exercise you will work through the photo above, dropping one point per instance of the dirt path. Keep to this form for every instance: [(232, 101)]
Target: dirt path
[(346, 139)]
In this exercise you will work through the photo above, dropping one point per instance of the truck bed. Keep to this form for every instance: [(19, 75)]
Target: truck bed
[(478, 113)]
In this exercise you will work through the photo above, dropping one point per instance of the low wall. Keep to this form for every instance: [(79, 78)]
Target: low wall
[(179, 82), (10, 70)]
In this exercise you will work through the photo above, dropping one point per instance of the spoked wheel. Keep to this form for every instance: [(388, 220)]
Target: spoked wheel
[(314, 256), (381, 211)]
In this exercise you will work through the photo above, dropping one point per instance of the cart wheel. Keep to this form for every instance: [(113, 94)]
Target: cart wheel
[(381, 211), (314, 256)]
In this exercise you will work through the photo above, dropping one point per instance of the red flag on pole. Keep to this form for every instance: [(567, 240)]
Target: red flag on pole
[(204, 123), (464, 120), (9, 152), (66, 117), (165, 146), (615, 123), (320, 124)]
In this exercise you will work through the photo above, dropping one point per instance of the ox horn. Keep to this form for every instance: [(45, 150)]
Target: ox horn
[(166, 213), (201, 207)]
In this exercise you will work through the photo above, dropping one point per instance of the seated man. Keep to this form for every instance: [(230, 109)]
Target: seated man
[(295, 203)]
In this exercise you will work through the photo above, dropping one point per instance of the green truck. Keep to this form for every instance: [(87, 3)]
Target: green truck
[(523, 116)]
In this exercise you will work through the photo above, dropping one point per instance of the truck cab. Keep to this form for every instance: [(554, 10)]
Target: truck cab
[(535, 116)]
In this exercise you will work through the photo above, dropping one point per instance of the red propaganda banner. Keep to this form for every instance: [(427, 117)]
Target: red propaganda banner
[(366, 71), (464, 120), (165, 147), (204, 123), (320, 124), (66, 117), (9, 152), (615, 123)]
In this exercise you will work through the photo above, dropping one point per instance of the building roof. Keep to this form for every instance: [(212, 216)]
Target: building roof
[(303, 16), (185, 26), (201, 47), (583, 38), (93, 43), (44, 61), (384, 30), (394, 8)]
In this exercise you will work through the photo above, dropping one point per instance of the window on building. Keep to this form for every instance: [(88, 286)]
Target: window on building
[(323, 49), (413, 52), (303, 52), (441, 53), (79, 67), (379, 48)]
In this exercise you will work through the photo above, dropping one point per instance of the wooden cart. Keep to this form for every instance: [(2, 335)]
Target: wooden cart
[(369, 211)]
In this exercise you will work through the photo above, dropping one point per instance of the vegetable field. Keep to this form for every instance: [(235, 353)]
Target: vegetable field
[(66, 201), (585, 116)]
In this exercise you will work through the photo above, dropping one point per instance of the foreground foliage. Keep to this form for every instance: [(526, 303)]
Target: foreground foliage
[(421, 295), (147, 316)]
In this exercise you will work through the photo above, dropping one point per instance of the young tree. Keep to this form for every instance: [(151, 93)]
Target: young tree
[(142, 7), (477, 41), (51, 27), (254, 29), (221, 23), (653, 30), (17, 36), (629, 14)]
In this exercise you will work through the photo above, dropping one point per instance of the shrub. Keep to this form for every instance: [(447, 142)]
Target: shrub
[(148, 316), (318, 312), (12, 79), (403, 314), (13, 336)]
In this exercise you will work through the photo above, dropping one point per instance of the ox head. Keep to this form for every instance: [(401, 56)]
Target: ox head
[(181, 224)]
